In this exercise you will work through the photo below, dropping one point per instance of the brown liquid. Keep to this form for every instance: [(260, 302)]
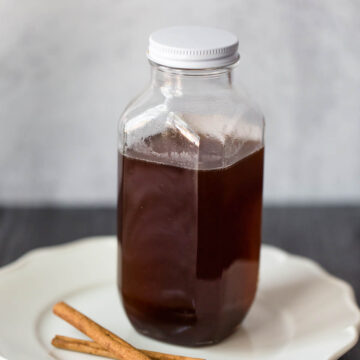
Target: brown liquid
[(190, 247)]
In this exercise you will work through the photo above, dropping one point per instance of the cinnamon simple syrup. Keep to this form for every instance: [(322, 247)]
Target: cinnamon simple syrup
[(190, 242)]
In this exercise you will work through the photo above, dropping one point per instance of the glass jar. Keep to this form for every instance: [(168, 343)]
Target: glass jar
[(191, 152)]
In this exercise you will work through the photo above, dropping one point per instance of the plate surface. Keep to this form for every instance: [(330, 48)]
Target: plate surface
[(300, 311)]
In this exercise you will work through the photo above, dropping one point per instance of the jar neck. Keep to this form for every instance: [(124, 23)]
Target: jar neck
[(191, 81)]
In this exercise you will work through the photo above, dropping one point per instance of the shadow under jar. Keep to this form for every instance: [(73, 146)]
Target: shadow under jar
[(190, 167)]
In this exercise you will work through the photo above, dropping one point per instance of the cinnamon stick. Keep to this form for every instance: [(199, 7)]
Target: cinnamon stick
[(83, 346), (90, 347), (103, 337), (105, 342)]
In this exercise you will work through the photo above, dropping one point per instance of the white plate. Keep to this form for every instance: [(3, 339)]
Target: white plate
[(300, 312)]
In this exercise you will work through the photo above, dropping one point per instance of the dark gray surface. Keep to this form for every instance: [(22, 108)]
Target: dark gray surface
[(329, 235)]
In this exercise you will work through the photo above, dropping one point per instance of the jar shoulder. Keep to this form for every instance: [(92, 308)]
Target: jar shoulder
[(154, 104), (191, 130)]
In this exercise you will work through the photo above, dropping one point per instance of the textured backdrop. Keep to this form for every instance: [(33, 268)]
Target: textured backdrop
[(68, 68)]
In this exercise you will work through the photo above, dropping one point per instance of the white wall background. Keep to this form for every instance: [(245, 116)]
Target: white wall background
[(68, 68)]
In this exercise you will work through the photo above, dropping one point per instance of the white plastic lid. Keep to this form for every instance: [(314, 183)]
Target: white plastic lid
[(193, 47)]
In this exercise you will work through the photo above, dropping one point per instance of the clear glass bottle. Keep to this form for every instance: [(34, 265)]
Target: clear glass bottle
[(191, 153)]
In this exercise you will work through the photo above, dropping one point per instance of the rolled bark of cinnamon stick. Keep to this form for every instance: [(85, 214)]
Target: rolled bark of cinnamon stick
[(103, 337), (90, 347), (161, 356), (83, 346)]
